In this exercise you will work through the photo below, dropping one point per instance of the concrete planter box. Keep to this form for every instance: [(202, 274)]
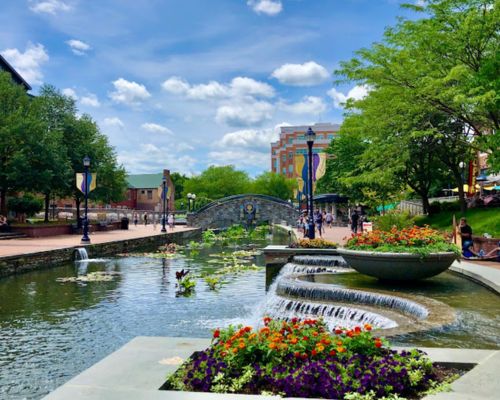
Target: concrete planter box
[(43, 230), (139, 369), (397, 266)]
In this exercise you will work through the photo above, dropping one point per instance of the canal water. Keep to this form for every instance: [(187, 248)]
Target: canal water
[(50, 331)]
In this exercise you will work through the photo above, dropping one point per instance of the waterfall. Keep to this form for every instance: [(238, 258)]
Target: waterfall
[(291, 295), (81, 253), (334, 315), (325, 292), (325, 261)]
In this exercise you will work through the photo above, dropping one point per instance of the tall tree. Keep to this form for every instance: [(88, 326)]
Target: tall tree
[(217, 182), (272, 184), (15, 121)]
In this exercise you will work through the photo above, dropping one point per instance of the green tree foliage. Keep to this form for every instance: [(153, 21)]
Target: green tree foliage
[(432, 102), (28, 205), (14, 127), (272, 184), (217, 182), (178, 180)]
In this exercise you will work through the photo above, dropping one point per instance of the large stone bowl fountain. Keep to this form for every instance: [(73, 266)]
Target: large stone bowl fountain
[(398, 266)]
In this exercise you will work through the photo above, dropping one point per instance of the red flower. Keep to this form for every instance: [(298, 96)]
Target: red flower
[(314, 352), (216, 333)]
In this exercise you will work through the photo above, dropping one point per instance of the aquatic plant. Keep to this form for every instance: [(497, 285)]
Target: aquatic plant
[(303, 359)]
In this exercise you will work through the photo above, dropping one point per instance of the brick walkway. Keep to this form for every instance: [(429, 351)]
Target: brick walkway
[(14, 247), (337, 234)]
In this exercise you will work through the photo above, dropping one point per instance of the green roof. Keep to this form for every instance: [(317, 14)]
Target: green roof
[(144, 181)]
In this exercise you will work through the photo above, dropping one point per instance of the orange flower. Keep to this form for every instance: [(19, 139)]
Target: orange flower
[(265, 330), (378, 344), (242, 345), (272, 345), (320, 347), (368, 327), (315, 333), (253, 335), (235, 350), (294, 340), (341, 349), (340, 342)]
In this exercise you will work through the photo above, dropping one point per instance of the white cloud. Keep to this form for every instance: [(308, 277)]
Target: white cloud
[(70, 93), (28, 64), (49, 6), (238, 87), (308, 105), (240, 159), (356, 93), (268, 7), (90, 100), (420, 3), (113, 122), (150, 158), (307, 74), (78, 47), (244, 114), (152, 127), (128, 92), (249, 138)]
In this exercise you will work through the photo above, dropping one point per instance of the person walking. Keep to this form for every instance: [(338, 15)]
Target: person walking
[(354, 221), (136, 218), (171, 221), (318, 221), (145, 218), (328, 219)]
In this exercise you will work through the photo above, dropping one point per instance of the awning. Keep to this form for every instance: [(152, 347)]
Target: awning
[(466, 188)]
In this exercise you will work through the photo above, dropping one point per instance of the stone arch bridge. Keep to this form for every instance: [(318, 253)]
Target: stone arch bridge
[(247, 209)]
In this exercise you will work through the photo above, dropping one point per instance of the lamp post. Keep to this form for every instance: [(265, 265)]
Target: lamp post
[(191, 198), (163, 196), (461, 164), (310, 136), (86, 165)]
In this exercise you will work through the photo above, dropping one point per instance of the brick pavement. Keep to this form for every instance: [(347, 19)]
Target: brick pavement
[(14, 247)]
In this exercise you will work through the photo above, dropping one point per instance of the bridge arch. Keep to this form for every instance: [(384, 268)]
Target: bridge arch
[(240, 209)]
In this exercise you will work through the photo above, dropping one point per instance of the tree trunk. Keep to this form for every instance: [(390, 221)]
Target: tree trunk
[(3, 202), (461, 194), (47, 205), (425, 203), (78, 220)]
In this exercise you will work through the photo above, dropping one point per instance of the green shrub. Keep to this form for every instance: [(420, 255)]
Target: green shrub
[(397, 219), (450, 206), (27, 205)]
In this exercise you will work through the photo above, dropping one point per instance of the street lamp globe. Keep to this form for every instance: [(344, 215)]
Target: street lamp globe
[(86, 161), (310, 136)]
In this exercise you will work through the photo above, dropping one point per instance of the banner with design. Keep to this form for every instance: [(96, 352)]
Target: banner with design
[(302, 172), (91, 182)]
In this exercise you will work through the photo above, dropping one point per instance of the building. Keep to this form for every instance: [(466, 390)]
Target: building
[(289, 153), (16, 77), (144, 192)]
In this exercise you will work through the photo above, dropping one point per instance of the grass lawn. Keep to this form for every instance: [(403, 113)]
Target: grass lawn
[(481, 220)]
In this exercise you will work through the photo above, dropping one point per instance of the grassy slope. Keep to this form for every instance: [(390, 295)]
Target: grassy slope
[(481, 220)]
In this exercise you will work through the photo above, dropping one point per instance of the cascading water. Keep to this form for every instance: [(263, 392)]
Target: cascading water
[(81, 253), (293, 295)]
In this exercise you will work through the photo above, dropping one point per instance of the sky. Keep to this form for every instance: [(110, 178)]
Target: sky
[(184, 84)]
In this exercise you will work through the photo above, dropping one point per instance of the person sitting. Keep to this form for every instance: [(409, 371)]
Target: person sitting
[(4, 224), (493, 254), (467, 243)]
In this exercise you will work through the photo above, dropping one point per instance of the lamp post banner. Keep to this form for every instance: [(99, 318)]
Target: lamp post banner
[(91, 181), (163, 192)]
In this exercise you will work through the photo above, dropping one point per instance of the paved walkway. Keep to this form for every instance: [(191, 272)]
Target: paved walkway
[(336, 234), (15, 247)]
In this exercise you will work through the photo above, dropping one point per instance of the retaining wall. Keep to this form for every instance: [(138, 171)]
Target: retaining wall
[(28, 262)]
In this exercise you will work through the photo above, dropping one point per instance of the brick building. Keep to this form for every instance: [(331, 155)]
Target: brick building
[(289, 153)]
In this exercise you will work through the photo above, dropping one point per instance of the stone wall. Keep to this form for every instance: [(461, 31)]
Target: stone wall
[(29, 262), (228, 211)]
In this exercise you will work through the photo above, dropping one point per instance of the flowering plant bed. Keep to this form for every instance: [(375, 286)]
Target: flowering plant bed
[(314, 244), (303, 359), (414, 240)]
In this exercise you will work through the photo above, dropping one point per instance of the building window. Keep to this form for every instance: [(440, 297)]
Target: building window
[(283, 157), (290, 168), (290, 140), (283, 170), (150, 195), (143, 191), (290, 155), (330, 137)]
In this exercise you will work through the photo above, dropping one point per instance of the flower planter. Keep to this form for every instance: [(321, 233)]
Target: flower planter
[(397, 266)]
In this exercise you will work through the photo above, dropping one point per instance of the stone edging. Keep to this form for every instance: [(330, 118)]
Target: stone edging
[(11, 265), (138, 370)]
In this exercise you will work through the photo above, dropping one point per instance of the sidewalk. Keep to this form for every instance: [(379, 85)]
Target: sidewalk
[(336, 234), (15, 247)]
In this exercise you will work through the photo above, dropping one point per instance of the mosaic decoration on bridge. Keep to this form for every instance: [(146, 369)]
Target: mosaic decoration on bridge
[(301, 170), (249, 213), (91, 181)]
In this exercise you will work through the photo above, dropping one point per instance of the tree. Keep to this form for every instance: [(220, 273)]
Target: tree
[(272, 184), (178, 180), (217, 182), (15, 121)]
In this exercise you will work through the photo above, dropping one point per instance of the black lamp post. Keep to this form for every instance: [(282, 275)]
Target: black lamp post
[(164, 197), (86, 165), (310, 136)]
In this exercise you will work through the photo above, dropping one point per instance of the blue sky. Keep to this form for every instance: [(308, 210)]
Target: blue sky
[(186, 84)]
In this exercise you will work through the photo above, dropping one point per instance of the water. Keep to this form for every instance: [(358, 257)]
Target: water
[(51, 331), (81, 254)]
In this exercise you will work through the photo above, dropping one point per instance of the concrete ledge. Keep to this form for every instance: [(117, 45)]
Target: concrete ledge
[(489, 277), (138, 370)]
